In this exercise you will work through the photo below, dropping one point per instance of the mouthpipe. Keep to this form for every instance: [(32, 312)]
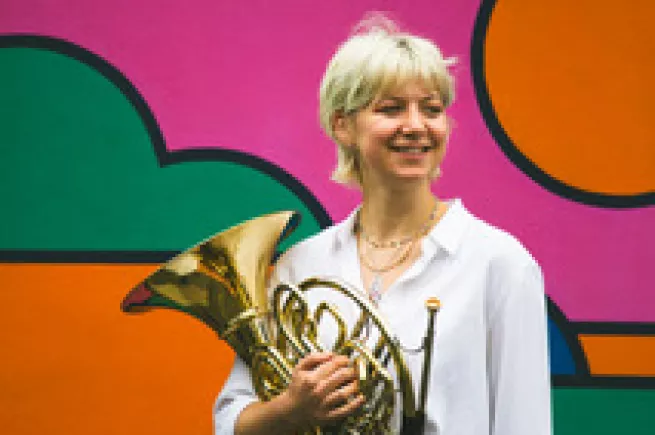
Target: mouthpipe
[(433, 305)]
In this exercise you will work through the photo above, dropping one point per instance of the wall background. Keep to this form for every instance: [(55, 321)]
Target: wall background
[(132, 130)]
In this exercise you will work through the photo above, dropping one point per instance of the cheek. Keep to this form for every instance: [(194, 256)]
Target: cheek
[(380, 129), (439, 129)]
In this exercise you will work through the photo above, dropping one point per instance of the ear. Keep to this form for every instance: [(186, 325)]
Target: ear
[(343, 128)]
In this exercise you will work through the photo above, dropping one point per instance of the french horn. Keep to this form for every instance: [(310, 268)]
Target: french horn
[(223, 282)]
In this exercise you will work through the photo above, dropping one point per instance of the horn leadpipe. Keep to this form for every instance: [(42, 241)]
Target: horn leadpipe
[(416, 425)]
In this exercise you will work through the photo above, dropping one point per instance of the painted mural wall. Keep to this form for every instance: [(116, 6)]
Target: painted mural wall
[(131, 130)]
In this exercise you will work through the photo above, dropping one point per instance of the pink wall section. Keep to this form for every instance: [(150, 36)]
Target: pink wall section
[(244, 75)]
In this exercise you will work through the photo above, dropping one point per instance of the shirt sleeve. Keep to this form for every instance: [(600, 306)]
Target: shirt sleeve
[(238, 391), (518, 368)]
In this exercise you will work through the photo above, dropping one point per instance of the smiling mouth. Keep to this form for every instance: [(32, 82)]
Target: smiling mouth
[(411, 149)]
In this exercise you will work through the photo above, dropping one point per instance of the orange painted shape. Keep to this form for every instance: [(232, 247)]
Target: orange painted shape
[(73, 363), (620, 355), (572, 85)]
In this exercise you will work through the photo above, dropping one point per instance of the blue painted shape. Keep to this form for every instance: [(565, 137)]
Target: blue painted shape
[(561, 358)]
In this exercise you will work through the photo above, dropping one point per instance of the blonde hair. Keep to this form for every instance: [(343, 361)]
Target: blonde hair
[(377, 57)]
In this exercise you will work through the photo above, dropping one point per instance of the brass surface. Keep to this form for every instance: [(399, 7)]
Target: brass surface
[(223, 282)]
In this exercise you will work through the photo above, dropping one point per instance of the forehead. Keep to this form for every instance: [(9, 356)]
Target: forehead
[(409, 88)]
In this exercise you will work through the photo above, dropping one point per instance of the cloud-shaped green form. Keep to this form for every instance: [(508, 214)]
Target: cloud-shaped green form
[(79, 170)]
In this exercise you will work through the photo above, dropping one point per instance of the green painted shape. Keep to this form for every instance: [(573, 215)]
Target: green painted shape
[(78, 170), (582, 411)]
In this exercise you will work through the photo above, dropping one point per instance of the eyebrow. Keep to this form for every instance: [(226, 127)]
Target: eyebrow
[(434, 96)]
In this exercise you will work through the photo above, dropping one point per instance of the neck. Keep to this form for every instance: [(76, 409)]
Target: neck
[(390, 213)]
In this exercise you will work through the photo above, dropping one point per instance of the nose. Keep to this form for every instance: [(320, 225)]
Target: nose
[(413, 121)]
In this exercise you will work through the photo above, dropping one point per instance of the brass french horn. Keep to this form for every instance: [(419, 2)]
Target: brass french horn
[(222, 282)]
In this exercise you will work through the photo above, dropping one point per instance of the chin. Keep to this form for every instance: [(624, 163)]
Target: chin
[(413, 177)]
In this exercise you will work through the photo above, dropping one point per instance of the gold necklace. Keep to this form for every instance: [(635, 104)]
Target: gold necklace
[(375, 290), (376, 287), (392, 264), (423, 230)]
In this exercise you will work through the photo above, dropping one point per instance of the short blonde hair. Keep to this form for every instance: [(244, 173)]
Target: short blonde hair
[(376, 58)]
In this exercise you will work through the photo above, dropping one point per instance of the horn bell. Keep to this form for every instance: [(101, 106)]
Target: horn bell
[(221, 281)]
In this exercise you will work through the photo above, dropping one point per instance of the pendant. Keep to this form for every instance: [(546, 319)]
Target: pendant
[(375, 292)]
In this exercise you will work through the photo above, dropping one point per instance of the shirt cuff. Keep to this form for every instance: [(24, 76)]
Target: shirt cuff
[(230, 408)]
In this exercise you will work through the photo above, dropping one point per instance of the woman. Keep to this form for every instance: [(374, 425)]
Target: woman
[(383, 101)]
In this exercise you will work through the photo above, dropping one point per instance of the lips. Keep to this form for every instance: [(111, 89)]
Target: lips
[(411, 149)]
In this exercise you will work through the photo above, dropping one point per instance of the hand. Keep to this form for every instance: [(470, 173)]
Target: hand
[(323, 389)]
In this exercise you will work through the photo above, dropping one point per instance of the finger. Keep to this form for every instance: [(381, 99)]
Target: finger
[(346, 409), (341, 396), (326, 369), (313, 360), (336, 380)]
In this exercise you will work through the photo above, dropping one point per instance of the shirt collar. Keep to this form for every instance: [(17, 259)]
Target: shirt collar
[(447, 233), (346, 228)]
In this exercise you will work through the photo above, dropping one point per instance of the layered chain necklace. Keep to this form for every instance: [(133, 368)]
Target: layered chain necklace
[(403, 247)]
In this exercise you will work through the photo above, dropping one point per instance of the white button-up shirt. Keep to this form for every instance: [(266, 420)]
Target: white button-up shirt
[(489, 372)]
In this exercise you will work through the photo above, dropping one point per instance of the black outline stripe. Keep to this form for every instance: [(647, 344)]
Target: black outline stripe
[(86, 257), (164, 156), (511, 151), (615, 328), (618, 382)]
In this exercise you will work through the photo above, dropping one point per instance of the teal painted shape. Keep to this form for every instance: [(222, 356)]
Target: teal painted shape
[(582, 411), (78, 170)]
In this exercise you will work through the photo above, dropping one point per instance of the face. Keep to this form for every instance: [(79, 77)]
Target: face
[(400, 136)]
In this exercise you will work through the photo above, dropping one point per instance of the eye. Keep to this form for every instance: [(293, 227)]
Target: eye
[(389, 108), (433, 109)]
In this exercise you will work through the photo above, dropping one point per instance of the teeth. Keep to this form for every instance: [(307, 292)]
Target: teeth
[(409, 150)]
